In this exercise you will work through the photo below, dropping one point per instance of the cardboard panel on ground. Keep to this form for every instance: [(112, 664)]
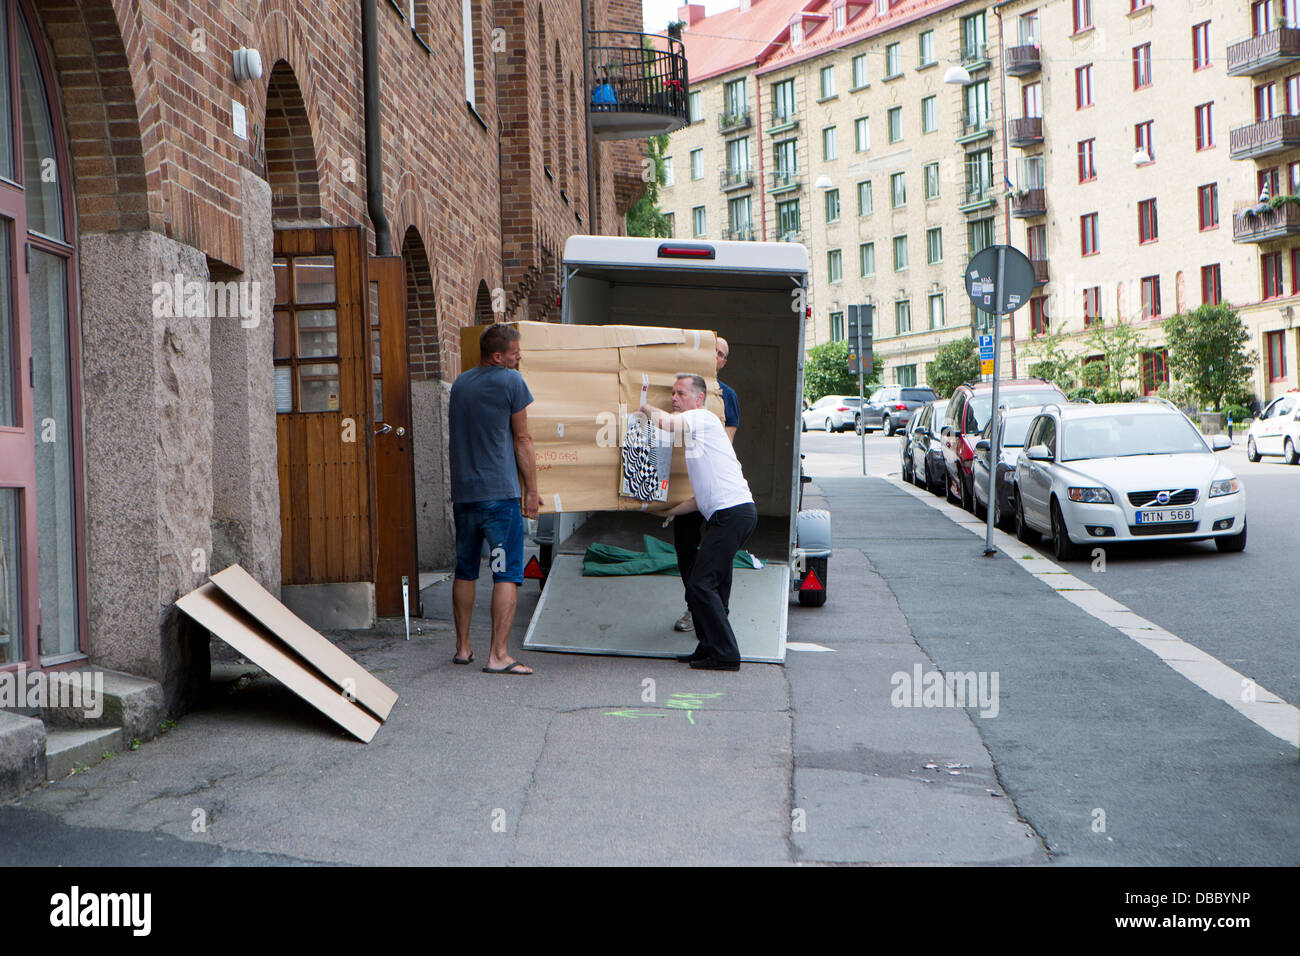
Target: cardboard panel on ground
[(633, 616)]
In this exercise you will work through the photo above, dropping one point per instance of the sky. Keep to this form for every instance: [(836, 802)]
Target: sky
[(659, 13)]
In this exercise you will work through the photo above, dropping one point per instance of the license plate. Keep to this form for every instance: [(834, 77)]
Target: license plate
[(1154, 517)]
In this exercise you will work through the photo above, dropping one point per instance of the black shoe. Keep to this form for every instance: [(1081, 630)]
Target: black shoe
[(713, 664), (695, 655)]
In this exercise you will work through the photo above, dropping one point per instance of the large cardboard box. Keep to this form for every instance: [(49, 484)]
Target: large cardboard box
[(585, 380)]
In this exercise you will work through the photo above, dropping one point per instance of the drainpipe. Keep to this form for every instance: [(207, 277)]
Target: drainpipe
[(758, 121), (374, 142), (1006, 167), (586, 109)]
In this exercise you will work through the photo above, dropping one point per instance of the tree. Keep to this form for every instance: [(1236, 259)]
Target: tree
[(826, 371), (1207, 351), (1120, 342), (954, 363), (645, 218), (1049, 360)]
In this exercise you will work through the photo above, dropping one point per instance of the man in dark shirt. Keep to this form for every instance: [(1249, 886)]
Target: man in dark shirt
[(490, 447), (688, 529)]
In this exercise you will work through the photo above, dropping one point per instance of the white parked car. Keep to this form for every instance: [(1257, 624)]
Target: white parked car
[(1101, 474), (834, 413), (1277, 430)]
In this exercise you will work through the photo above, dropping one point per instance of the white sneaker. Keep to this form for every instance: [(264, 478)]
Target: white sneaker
[(684, 623)]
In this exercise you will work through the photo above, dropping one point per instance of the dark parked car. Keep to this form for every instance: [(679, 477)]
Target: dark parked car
[(968, 413), (922, 449), (890, 407), (1014, 425)]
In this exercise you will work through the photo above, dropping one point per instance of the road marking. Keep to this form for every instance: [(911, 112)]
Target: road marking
[(806, 646), (1211, 675)]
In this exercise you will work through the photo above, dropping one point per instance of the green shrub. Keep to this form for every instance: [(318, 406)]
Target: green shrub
[(1238, 413), (1082, 394)]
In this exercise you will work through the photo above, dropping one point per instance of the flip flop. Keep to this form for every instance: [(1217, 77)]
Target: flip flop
[(508, 669), (464, 660)]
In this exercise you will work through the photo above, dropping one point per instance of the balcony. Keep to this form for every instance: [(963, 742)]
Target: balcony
[(1264, 52), (1248, 226), (743, 233), (1024, 60), (636, 90), (778, 121), (975, 57), (733, 122), (1029, 203), (973, 128), (1025, 131), (978, 196), (1274, 135), (793, 235), (783, 181), (729, 179), (1040, 271)]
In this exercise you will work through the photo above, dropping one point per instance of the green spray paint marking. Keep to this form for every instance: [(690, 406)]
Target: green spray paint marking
[(633, 713), (687, 701)]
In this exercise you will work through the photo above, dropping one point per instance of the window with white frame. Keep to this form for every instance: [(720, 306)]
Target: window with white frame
[(897, 190), (828, 81), (937, 314), (925, 44), (834, 268), (832, 205), (864, 198), (697, 221), (861, 134), (867, 259), (902, 316), (929, 114), (931, 181), (669, 178), (829, 150), (900, 253), (934, 245), (695, 106), (859, 71), (697, 164)]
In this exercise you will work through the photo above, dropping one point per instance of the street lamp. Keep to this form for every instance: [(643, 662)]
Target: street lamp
[(956, 75), (823, 182)]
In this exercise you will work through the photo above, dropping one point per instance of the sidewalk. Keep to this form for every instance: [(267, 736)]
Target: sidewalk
[(591, 760)]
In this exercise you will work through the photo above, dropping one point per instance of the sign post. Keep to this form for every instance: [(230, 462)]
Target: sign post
[(860, 346), (999, 279)]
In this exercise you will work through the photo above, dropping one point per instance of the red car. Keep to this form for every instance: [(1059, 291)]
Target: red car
[(968, 413)]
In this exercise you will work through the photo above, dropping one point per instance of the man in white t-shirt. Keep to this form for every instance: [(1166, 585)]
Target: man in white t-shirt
[(723, 498)]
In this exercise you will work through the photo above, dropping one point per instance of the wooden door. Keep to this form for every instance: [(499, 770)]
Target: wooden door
[(395, 552), (323, 400)]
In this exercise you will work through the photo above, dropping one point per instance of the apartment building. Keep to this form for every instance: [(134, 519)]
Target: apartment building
[(1113, 143)]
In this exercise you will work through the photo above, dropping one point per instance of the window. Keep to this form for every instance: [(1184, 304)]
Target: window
[(859, 71), (902, 316), (867, 259), (895, 123), (669, 178), (861, 134), (1211, 285), (1205, 126), (738, 213), (979, 174), (1087, 169), (796, 34), (697, 164), (932, 181), (1275, 346), (1089, 242), (905, 375), (864, 198), (834, 267), (1083, 86), (1201, 45), (832, 205), (1038, 322), (829, 149), (1092, 305), (1295, 271), (1265, 108), (1031, 99), (1291, 94), (1261, 17), (670, 219), (1031, 172), (782, 99), (1138, 5), (788, 219), (828, 82), (893, 61), (837, 326), (738, 155), (695, 106), (1267, 179), (1142, 140), (925, 48), (1293, 178), (1155, 370), (937, 314), (934, 245), (1207, 205), (897, 190), (1270, 274), (1148, 230), (1027, 28), (735, 97), (929, 114), (1036, 240), (1151, 297), (1082, 15), (786, 157), (841, 16), (900, 253), (974, 37), (980, 235), (976, 97), (697, 221), (467, 49)]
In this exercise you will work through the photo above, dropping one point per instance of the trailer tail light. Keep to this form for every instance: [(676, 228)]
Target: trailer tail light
[(811, 582), (686, 250), (534, 569)]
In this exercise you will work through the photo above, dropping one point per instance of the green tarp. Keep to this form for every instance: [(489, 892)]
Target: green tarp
[(659, 557)]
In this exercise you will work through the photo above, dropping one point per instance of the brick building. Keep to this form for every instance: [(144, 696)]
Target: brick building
[(228, 340)]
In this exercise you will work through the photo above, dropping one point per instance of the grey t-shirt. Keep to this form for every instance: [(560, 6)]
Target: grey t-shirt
[(481, 442)]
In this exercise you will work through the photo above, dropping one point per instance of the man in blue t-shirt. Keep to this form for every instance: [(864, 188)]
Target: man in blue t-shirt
[(687, 531), (490, 448)]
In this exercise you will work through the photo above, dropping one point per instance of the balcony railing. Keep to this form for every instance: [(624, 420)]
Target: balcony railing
[(1025, 131), (1274, 135), (1031, 202), (791, 235), (973, 128), (1024, 60), (1040, 271), (735, 178), (977, 196), (739, 233), (975, 56), (782, 119), (733, 122), (783, 180), (636, 90), (1264, 52), (1249, 226)]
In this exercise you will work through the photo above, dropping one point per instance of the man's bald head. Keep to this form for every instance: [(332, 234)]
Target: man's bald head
[(723, 351)]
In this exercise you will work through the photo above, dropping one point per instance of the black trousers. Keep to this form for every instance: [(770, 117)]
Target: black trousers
[(707, 576)]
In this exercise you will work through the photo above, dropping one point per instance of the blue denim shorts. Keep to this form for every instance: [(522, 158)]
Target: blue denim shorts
[(499, 523)]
